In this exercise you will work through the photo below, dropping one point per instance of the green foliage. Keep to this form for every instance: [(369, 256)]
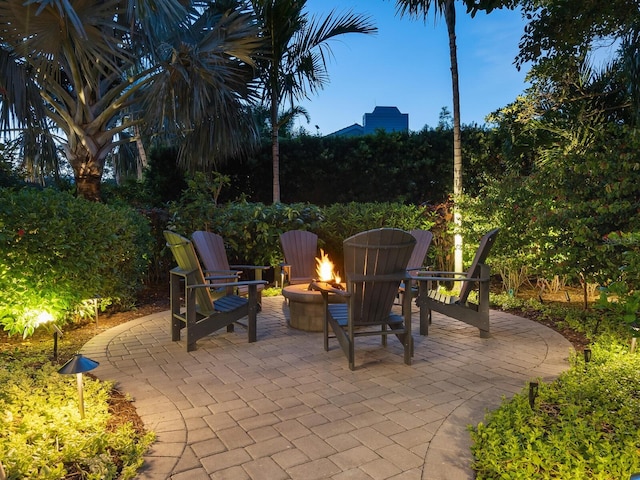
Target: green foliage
[(57, 251), (584, 425), (562, 227), (344, 220), (384, 167), (42, 435), (252, 230), (618, 304)]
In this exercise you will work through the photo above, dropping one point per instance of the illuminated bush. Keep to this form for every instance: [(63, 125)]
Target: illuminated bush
[(57, 251), (43, 436)]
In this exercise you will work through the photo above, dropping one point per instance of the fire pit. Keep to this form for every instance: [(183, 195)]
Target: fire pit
[(306, 307)]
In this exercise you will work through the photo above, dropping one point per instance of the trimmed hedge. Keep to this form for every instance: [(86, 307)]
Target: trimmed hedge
[(57, 251)]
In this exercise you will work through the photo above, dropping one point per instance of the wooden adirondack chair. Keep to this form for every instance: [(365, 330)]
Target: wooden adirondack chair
[(375, 263), (202, 314), (460, 308), (416, 262), (300, 248), (210, 248)]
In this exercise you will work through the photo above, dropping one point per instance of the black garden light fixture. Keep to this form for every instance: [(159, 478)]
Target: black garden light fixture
[(533, 393), (587, 355), (78, 365)]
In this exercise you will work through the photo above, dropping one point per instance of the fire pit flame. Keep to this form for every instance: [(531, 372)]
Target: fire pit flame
[(325, 272)]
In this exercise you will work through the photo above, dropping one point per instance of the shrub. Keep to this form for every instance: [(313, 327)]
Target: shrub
[(57, 251), (344, 220), (584, 425), (42, 435), (251, 231)]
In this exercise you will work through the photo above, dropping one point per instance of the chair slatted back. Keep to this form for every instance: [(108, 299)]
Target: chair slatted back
[(383, 252), (187, 260), (486, 242), (300, 249), (423, 242), (210, 248)]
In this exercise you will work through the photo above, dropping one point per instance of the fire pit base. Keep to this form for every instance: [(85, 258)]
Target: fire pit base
[(306, 307)]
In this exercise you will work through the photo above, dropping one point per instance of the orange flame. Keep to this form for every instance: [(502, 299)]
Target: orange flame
[(325, 269)]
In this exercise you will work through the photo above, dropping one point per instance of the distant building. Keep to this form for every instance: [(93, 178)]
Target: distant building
[(388, 119)]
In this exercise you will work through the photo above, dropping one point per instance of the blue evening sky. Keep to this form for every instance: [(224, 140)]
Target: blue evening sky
[(406, 64)]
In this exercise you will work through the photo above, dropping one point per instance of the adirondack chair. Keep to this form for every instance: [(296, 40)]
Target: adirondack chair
[(375, 263), (430, 299), (416, 262), (300, 248), (202, 314), (210, 248)]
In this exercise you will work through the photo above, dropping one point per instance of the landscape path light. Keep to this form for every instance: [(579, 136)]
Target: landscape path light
[(79, 364), (533, 393), (635, 329)]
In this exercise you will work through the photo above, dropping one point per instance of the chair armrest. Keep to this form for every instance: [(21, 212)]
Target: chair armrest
[(422, 271), (252, 267), (421, 278), (232, 284), (222, 272), (221, 277)]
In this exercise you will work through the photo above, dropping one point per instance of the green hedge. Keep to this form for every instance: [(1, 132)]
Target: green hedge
[(252, 230), (57, 251)]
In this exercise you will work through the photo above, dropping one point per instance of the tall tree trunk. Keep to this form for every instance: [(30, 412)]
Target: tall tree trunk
[(142, 154), (87, 172), (275, 144), (450, 16)]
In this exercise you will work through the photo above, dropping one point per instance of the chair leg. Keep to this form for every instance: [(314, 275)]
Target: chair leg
[(252, 320), (176, 322)]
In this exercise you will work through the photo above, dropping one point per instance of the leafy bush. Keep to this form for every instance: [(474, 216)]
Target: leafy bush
[(57, 251), (42, 435), (584, 425), (564, 227), (251, 230), (344, 220)]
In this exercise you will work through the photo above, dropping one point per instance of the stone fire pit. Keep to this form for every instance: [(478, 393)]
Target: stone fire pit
[(306, 307)]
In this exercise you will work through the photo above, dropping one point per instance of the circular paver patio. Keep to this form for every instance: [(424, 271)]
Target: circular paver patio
[(283, 408)]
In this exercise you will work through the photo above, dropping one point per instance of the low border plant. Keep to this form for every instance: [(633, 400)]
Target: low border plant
[(43, 436), (584, 425)]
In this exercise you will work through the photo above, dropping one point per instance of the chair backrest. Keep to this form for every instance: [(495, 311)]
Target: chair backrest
[(486, 242), (210, 248), (380, 252), (423, 242), (300, 249), (187, 260)]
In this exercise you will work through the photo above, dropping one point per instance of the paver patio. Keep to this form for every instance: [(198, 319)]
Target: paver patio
[(283, 408)]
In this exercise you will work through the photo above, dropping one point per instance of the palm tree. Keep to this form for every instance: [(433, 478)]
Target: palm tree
[(295, 65), (446, 8), (97, 70)]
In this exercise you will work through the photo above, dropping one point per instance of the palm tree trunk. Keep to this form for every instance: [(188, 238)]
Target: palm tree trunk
[(87, 171), (275, 144), (142, 153), (450, 16)]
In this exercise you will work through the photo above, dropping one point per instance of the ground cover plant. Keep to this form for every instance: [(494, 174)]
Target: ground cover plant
[(110, 417), (583, 425), (42, 434)]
